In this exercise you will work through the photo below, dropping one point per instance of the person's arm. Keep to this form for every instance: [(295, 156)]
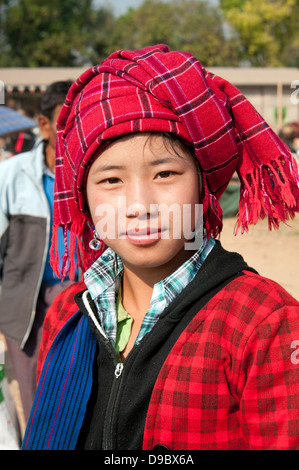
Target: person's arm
[(4, 227), (269, 404)]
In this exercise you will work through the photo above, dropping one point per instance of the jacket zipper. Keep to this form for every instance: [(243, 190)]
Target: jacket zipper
[(108, 439), (118, 369), (108, 433)]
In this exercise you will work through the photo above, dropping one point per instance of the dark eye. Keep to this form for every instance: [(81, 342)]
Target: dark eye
[(111, 180), (165, 174)]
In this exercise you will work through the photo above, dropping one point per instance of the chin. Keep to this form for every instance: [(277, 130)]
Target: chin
[(150, 258)]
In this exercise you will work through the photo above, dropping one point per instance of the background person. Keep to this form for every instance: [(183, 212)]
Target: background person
[(28, 284)]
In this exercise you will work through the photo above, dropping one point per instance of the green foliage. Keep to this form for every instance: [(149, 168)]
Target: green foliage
[(266, 28), (189, 25), (42, 33), (75, 32)]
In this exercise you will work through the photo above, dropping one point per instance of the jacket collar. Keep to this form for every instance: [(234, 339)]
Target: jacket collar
[(35, 163)]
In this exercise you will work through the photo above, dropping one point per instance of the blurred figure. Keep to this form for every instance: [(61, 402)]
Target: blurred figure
[(28, 284), (15, 143), (4, 152), (22, 142), (289, 134)]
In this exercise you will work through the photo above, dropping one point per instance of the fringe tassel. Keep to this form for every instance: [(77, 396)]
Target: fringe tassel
[(271, 190), (60, 267), (212, 212), (77, 247), (54, 256)]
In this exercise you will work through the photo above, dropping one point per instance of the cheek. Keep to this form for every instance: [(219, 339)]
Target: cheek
[(186, 193), (96, 202), (194, 190), (92, 201), (104, 214)]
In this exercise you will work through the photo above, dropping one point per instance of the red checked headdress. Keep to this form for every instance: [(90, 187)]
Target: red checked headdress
[(154, 89)]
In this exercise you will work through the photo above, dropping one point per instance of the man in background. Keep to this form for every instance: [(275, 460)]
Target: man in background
[(28, 284)]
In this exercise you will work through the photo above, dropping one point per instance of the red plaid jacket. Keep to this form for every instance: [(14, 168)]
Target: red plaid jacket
[(232, 379)]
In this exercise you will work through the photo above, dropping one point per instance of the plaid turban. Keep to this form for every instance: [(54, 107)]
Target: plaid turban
[(154, 89)]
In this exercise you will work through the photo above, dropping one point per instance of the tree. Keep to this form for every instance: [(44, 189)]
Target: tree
[(190, 25), (76, 32), (38, 33), (266, 28)]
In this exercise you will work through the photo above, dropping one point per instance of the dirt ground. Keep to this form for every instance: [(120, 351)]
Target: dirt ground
[(14, 389), (274, 254)]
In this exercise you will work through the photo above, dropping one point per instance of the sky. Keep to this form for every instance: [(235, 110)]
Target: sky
[(119, 6)]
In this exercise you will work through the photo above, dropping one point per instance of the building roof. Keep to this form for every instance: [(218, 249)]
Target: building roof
[(34, 78), (257, 76)]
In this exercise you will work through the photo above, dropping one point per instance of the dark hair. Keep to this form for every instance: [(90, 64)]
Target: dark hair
[(54, 96)]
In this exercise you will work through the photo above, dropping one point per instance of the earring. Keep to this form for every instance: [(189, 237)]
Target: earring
[(95, 243)]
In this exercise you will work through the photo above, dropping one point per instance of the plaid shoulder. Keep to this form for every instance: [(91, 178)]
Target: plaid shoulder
[(58, 314), (252, 287), (229, 381)]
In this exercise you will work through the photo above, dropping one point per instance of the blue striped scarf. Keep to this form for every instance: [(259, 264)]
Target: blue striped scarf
[(63, 390)]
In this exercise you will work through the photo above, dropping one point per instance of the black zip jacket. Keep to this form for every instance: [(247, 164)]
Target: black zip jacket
[(117, 408)]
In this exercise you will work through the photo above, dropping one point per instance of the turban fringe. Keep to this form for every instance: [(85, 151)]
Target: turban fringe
[(157, 90)]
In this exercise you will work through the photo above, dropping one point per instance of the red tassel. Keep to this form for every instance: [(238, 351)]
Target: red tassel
[(212, 212), (272, 191), (54, 257)]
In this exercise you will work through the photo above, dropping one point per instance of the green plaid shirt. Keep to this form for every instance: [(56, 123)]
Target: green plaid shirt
[(103, 279)]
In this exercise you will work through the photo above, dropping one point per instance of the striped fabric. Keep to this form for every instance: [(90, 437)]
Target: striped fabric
[(60, 401), (154, 89), (103, 277)]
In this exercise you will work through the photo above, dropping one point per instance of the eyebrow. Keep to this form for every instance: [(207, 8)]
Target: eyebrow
[(160, 161), (156, 162), (108, 167)]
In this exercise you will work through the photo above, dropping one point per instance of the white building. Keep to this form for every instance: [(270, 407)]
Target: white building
[(273, 91)]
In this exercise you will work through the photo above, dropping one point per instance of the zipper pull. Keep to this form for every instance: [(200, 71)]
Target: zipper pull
[(118, 369)]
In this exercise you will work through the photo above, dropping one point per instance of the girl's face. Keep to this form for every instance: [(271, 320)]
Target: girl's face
[(142, 197)]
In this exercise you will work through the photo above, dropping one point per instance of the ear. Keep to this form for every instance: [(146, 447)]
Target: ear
[(44, 126)]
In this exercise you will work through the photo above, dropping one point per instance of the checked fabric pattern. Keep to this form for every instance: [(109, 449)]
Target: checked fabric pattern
[(229, 382), (155, 89)]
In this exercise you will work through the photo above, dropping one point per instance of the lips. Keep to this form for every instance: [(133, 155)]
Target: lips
[(147, 231), (144, 236)]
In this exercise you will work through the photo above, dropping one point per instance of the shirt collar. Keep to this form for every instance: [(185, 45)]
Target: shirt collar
[(104, 272), (47, 171), (107, 270), (103, 279)]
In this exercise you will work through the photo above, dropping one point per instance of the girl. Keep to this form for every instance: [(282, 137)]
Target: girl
[(161, 345)]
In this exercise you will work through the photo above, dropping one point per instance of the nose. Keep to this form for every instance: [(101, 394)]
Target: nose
[(139, 200), (138, 210)]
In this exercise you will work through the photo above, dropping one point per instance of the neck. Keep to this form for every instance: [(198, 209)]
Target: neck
[(138, 284), (50, 156), (136, 293)]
